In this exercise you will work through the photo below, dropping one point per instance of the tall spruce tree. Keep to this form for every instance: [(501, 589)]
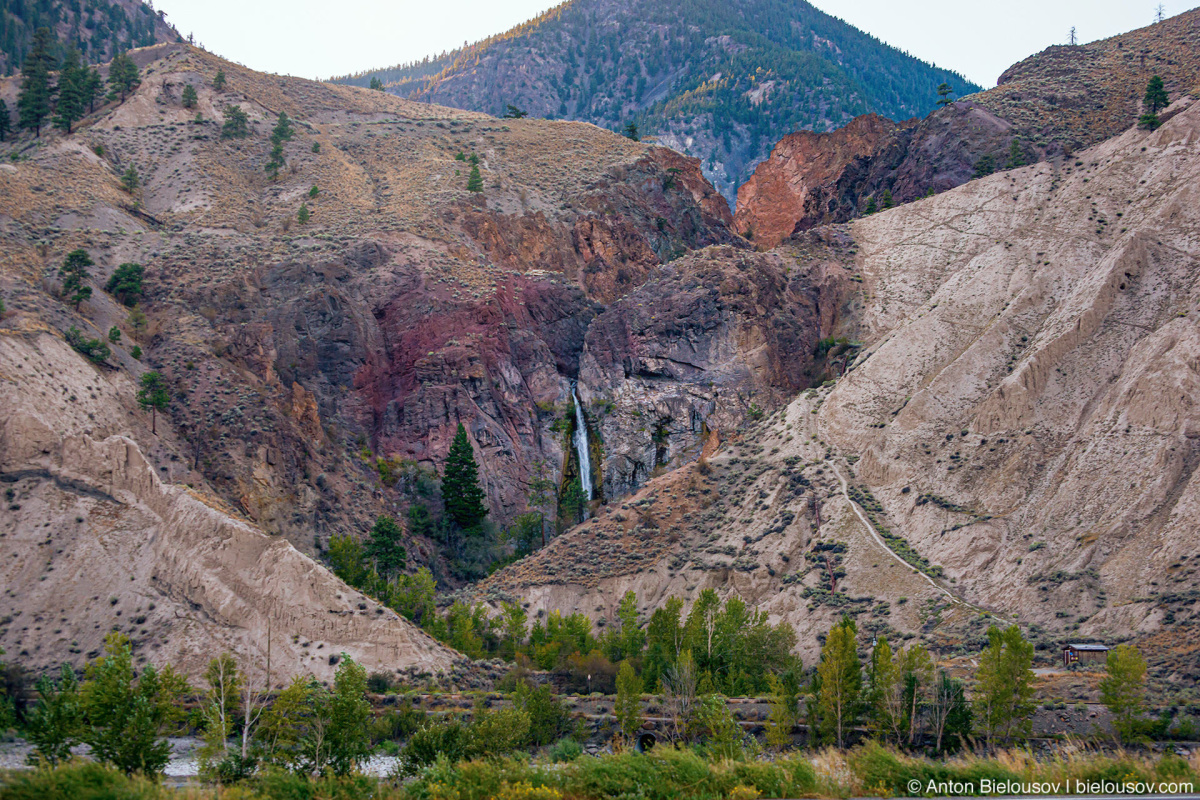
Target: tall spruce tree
[(461, 492), (1156, 95), (5, 121), (72, 91), (33, 102), (475, 180)]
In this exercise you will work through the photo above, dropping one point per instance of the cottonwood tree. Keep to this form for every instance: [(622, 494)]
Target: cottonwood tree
[(1123, 689), (628, 705), (54, 725), (916, 678), (127, 713), (784, 710), (885, 691), (949, 713), (513, 619), (220, 710), (679, 694), (838, 698), (1004, 701)]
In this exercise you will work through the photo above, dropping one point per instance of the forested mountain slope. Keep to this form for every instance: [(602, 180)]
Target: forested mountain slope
[(99, 28), (721, 81)]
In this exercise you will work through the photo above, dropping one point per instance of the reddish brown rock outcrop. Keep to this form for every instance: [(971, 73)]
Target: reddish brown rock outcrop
[(795, 187)]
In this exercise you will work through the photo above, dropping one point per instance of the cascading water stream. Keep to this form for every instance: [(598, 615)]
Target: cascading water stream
[(581, 448)]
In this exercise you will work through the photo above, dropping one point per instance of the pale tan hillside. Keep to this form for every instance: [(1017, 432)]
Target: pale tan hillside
[(1021, 413), (92, 540)]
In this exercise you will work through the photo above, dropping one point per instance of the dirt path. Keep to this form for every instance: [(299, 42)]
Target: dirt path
[(880, 541)]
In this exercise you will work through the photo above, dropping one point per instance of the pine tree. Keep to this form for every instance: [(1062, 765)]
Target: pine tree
[(93, 87), (871, 208), (515, 113), (72, 91), (475, 180), (944, 91), (385, 546), (74, 272), (303, 215), (282, 132), (125, 283), (237, 123), (123, 76), (1156, 95), (461, 493), (5, 121), (376, 84), (33, 102), (153, 396), (631, 132), (1156, 98), (190, 98), (219, 80), (130, 180)]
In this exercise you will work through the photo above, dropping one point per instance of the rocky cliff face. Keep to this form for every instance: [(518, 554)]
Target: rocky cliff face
[(1055, 102), (1012, 440), (709, 340), (317, 372)]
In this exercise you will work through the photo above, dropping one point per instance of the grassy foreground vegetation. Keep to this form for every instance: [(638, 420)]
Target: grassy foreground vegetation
[(662, 774)]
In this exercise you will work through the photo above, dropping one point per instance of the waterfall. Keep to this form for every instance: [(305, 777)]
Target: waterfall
[(581, 448)]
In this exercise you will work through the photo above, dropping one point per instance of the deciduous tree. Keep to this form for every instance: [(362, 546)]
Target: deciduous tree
[(1004, 701), (840, 675), (1123, 689)]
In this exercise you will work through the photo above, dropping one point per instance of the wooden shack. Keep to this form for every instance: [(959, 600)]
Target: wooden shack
[(1084, 654)]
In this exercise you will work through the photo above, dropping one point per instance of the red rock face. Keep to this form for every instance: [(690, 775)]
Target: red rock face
[(795, 186)]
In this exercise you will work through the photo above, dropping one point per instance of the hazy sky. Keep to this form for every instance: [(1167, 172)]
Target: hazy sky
[(318, 39)]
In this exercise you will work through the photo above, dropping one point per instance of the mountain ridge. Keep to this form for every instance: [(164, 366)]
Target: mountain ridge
[(721, 82)]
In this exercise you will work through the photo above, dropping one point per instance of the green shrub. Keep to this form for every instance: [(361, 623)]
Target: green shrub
[(79, 780), (565, 750), (450, 739)]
